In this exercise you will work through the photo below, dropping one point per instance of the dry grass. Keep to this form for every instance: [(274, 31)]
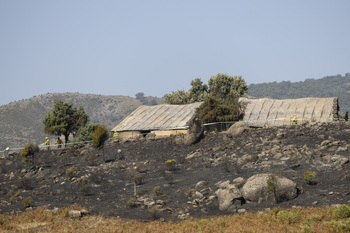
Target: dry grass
[(308, 219)]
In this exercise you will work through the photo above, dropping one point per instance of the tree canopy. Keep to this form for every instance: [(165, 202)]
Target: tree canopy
[(220, 97), (64, 119)]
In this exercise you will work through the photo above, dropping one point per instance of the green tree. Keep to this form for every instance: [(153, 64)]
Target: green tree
[(222, 85), (85, 132), (63, 119), (220, 97), (178, 97), (141, 96), (198, 91), (215, 110)]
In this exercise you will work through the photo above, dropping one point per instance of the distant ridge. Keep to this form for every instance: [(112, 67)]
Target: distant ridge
[(21, 121), (330, 86)]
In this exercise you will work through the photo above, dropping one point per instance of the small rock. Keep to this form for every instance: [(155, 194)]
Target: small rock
[(201, 183), (331, 193), (198, 195), (314, 203), (204, 210), (194, 155), (74, 213), (241, 211)]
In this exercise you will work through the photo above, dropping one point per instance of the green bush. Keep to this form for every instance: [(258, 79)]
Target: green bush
[(156, 191), (132, 202), (171, 164), (342, 212), (153, 212), (69, 171), (309, 177), (85, 189), (340, 226), (99, 136), (272, 183), (85, 133), (29, 150), (27, 202), (289, 216)]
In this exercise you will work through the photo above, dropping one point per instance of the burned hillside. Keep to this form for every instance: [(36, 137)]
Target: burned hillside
[(175, 182)]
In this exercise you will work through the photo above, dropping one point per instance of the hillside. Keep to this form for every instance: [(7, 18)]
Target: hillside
[(330, 86), (21, 121), (219, 175)]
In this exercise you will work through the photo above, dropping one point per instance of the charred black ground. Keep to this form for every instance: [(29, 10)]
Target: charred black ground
[(103, 182)]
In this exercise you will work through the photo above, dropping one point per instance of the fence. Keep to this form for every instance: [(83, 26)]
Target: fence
[(216, 126), (275, 122), (42, 147)]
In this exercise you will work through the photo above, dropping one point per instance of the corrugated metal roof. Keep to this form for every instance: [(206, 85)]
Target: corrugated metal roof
[(163, 116), (278, 112)]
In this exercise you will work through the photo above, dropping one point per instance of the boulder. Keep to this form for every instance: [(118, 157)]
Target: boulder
[(229, 198), (269, 188), (195, 133), (237, 128)]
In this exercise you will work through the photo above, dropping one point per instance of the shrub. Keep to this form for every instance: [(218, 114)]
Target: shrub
[(29, 150), (27, 202), (342, 212), (171, 164), (132, 202), (85, 132), (24, 183), (272, 183), (99, 136), (309, 177), (85, 189), (315, 218), (156, 191), (153, 212), (289, 216), (135, 177), (14, 196), (90, 159), (340, 226), (69, 171)]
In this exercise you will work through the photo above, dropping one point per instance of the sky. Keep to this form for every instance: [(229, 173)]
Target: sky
[(125, 47)]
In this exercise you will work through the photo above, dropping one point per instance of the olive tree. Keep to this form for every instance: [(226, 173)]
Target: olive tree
[(220, 97), (64, 119)]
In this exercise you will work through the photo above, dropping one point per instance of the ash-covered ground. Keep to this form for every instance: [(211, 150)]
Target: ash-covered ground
[(103, 181)]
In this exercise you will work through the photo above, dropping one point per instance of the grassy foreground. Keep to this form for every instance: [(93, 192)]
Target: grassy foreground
[(308, 219)]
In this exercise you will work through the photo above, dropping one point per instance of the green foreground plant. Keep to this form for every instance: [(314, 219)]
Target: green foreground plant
[(308, 219)]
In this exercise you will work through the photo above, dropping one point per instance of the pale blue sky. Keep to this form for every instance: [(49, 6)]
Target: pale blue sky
[(155, 47)]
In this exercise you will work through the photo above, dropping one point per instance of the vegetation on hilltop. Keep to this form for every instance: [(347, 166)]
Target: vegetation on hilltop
[(220, 97), (330, 86), (21, 121)]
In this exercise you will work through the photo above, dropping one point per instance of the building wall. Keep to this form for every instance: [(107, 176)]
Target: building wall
[(165, 133)]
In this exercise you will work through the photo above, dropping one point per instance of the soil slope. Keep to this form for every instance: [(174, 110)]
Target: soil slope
[(103, 181)]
